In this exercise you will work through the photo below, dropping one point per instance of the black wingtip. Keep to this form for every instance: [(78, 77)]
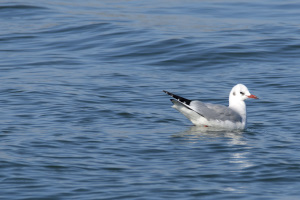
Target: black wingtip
[(178, 98), (169, 93)]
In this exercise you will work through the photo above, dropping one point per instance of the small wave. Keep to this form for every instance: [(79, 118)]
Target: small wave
[(20, 7)]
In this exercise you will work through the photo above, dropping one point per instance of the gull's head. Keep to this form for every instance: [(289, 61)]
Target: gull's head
[(240, 93)]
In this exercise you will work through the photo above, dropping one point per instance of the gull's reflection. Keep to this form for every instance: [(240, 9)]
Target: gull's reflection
[(198, 131), (233, 138)]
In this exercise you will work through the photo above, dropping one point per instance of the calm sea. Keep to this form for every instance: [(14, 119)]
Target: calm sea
[(83, 115)]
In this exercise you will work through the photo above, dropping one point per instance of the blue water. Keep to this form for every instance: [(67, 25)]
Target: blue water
[(83, 115)]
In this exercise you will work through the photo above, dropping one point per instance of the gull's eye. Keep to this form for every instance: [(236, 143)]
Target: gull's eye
[(242, 93)]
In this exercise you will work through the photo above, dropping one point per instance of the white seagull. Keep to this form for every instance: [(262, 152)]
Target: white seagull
[(213, 115)]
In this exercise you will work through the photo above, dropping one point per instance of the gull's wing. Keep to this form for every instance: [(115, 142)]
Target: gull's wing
[(215, 111)]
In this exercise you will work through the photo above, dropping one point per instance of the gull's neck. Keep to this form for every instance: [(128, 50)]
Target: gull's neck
[(239, 106)]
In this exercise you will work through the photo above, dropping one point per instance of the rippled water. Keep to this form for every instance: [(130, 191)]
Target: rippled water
[(83, 115)]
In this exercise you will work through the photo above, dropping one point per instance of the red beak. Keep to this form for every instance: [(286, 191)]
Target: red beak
[(252, 96)]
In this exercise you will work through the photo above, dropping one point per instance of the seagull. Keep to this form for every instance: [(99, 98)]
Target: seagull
[(214, 115)]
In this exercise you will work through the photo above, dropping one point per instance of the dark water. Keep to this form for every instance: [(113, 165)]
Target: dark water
[(83, 115)]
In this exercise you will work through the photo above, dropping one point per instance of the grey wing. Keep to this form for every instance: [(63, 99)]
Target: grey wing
[(215, 112)]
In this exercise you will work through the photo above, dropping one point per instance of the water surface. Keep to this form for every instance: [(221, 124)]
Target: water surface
[(83, 115)]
